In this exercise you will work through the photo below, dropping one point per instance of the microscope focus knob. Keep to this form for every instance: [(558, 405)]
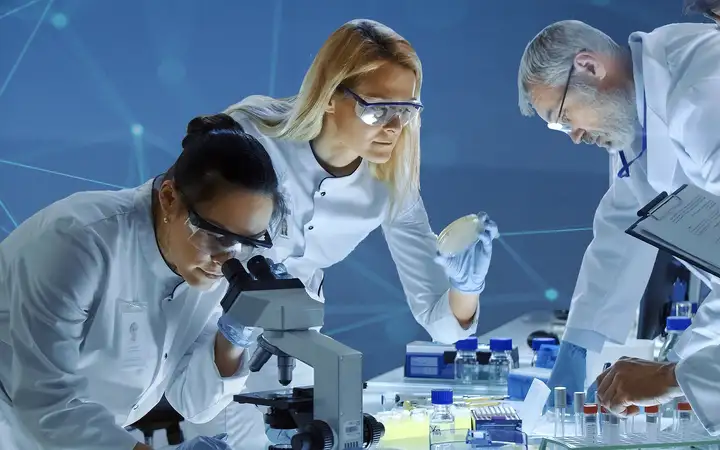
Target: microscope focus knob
[(373, 431), (316, 435)]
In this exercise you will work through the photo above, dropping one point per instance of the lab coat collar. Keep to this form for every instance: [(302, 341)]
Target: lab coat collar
[(146, 231), (652, 79), (636, 51), (310, 162)]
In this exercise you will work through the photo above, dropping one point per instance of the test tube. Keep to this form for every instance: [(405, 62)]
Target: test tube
[(604, 420), (612, 430), (683, 417), (652, 422), (624, 426), (590, 413), (578, 409), (560, 397)]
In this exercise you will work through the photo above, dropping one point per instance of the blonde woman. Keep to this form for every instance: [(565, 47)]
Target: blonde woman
[(347, 153)]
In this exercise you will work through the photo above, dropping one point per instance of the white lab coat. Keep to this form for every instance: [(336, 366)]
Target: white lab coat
[(329, 217), (678, 66), (94, 327)]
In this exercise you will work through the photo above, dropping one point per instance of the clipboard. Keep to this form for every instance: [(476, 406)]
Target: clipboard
[(659, 209)]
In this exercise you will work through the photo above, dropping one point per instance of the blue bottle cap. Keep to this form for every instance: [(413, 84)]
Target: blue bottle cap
[(538, 342), (500, 344), (679, 289), (467, 345), (441, 397), (678, 323)]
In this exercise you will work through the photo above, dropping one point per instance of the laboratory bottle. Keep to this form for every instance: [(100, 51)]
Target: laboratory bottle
[(466, 361), (590, 420), (483, 359), (674, 328), (442, 421), (680, 306), (500, 359), (536, 344), (652, 422)]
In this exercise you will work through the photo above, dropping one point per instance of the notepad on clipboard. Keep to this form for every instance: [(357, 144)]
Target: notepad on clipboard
[(685, 224)]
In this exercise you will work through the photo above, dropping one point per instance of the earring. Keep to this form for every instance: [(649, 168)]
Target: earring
[(165, 220)]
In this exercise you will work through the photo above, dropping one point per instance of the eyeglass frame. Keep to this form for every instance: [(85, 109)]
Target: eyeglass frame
[(558, 125), (203, 224), (364, 103)]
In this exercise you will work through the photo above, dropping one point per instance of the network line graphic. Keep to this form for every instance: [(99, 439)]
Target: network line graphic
[(143, 140)]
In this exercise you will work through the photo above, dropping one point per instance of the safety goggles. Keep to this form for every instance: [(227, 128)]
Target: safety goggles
[(213, 240), (382, 113)]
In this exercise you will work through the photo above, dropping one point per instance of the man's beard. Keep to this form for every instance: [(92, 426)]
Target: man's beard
[(617, 114)]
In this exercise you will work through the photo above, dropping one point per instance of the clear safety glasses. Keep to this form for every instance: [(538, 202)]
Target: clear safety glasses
[(382, 113), (213, 240)]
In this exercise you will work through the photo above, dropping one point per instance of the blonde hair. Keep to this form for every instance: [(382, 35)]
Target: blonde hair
[(352, 51)]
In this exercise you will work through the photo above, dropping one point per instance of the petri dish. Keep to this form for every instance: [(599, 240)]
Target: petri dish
[(460, 234)]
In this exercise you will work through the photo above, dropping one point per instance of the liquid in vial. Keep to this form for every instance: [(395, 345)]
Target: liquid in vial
[(500, 360), (467, 369), (442, 420)]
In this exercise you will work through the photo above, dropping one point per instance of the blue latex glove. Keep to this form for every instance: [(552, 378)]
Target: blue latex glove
[(206, 443), (236, 334), (467, 270), (279, 271), (568, 371)]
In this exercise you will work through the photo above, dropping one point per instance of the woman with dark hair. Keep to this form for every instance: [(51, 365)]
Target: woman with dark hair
[(108, 300)]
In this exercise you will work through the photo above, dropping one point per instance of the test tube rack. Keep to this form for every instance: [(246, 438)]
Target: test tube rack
[(665, 439)]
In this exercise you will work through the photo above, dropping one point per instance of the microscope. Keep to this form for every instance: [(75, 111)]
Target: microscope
[(327, 416)]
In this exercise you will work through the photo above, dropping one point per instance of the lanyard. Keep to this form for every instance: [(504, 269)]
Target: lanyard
[(624, 171)]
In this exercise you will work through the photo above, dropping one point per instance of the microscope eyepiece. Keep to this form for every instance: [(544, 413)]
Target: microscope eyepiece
[(234, 268), (260, 268)]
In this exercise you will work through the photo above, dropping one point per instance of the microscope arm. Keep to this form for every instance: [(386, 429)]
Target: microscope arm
[(338, 377)]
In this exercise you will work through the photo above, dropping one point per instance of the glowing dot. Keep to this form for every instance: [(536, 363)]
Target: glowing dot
[(137, 130), (59, 20), (551, 294)]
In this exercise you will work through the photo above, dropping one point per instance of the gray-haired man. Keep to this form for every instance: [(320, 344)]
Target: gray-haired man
[(654, 107)]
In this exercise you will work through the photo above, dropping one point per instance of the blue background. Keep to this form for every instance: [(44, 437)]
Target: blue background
[(96, 94)]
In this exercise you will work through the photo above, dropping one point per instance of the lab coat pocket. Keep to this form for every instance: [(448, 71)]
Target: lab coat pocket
[(134, 337)]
